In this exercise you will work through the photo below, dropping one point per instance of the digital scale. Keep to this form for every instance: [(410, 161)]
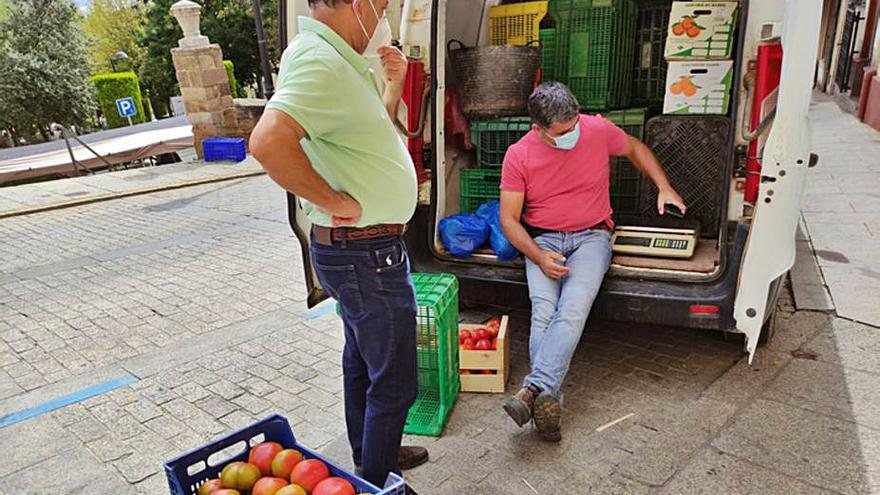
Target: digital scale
[(654, 241)]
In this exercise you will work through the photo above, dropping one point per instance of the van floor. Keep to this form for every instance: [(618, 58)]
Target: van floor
[(705, 259)]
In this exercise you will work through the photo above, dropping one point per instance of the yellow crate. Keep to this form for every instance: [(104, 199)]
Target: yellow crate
[(497, 360), (517, 24)]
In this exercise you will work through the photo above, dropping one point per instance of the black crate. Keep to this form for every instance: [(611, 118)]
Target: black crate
[(649, 72), (695, 152)]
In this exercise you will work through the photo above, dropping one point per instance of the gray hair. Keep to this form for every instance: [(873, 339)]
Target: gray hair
[(552, 102)]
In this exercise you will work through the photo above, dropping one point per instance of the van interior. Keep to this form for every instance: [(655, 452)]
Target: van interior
[(699, 154)]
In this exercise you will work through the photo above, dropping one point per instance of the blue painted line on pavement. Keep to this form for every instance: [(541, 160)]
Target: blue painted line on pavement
[(66, 400), (322, 309)]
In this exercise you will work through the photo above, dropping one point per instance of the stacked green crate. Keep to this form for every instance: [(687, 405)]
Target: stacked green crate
[(626, 180), (437, 352), (594, 49), (548, 54), (478, 186)]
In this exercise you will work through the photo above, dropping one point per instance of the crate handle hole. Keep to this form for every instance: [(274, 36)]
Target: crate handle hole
[(227, 454), (196, 468), (256, 440), (702, 12), (699, 71)]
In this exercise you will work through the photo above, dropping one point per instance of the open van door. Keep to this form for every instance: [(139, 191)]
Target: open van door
[(770, 248)]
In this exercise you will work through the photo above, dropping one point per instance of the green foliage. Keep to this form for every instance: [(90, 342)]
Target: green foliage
[(229, 23), (112, 86), (44, 66), (112, 26), (237, 91)]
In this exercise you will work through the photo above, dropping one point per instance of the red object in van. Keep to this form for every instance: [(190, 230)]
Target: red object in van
[(767, 74), (413, 88)]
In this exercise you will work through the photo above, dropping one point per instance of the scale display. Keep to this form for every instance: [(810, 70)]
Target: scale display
[(654, 241)]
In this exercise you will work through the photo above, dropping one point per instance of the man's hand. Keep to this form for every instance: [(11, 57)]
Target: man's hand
[(548, 263), (394, 65), (345, 212), (669, 196)]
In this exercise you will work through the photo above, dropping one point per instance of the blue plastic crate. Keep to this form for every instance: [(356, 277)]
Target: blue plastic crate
[(216, 149), (188, 472)]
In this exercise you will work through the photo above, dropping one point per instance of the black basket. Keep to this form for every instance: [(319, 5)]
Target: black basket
[(649, 74), (695, 152)]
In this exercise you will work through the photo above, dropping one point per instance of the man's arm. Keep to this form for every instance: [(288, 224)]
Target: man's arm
[(509, 214), (642, 157), (275, 143), (394, 65)]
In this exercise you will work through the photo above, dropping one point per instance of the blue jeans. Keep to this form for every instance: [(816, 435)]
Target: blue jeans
[(560, 307), (371, 281)]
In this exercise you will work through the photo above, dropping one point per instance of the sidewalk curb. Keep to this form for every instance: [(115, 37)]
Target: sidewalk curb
[(125, 194)]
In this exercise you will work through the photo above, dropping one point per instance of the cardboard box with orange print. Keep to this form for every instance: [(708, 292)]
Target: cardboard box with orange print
[(698, 88), (701, 31)]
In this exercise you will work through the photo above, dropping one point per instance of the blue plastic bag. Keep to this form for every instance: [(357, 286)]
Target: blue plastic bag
[(462, 234), (503, 248)]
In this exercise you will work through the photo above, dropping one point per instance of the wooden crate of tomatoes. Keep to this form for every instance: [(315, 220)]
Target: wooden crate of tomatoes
[(484, 356)]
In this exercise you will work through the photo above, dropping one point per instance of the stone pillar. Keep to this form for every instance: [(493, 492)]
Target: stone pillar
[(203, 81)]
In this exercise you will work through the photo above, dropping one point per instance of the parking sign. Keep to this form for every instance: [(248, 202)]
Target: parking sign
[(126, 107)]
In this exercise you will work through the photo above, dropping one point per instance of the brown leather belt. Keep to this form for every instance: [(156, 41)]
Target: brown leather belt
[(326, 235)]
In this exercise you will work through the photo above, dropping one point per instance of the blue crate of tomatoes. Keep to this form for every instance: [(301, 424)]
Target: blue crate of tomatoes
[(265, 459)]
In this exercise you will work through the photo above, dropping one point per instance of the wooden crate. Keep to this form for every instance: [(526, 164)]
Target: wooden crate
[(498, 360)]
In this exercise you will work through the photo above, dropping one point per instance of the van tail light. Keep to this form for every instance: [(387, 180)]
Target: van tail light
[(703, 309)]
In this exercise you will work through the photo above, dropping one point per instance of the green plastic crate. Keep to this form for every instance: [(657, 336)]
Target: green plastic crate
[(548, 54), (594, 49), (493, 137), (478, 185), (437, 351), (626, 180), (649, 64)]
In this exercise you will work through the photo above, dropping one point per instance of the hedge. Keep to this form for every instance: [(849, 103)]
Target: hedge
[(236, 90), (112, 86)]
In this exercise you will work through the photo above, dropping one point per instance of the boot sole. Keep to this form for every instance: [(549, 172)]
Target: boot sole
[(548, 418), (517, 411)]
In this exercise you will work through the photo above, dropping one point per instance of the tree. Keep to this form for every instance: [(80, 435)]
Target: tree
[(229, 23), (115, 25), (44, 66)]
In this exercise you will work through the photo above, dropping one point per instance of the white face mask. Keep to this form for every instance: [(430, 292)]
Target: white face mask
[(381, 35)]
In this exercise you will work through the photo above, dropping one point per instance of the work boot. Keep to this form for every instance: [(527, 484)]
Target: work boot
[(519, 407), (548, 417)]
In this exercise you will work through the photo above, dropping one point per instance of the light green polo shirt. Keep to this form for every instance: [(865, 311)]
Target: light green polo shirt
[(352, 143)]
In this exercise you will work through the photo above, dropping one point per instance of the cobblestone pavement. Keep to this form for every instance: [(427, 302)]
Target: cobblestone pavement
[(196, 295)]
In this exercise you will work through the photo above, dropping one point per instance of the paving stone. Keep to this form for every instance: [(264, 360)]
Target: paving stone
[(849, 344), (238, 419), (136, 468), (192, 391), (717, 472), (180, 408), (204, 424), (215, 406), (202, 377), (33, 442), (165, 426), (822, 451), (143, 411), (109, 448), (252, 404), (82, 475), (258, 387), (125, 427), (87, 430)]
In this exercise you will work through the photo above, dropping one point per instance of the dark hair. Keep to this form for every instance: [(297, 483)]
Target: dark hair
[(329, 3), (552, 102)]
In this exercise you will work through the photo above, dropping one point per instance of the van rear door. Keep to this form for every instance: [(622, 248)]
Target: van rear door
[(770, 248)]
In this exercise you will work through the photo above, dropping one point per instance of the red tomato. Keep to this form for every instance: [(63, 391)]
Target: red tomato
[(481, 333), (493, 344), (263, 454), (494, 323), (227, 491), (309, 473), (483, 345), (210, 487), (291, 490), (489, 372), (468, 344), (268, 486), (463, 335), (333, 486), (493, 332), (465, 372)]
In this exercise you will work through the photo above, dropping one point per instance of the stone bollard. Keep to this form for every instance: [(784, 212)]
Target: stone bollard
[(204, 83)]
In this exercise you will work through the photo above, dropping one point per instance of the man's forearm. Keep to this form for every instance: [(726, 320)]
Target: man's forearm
[(521, 240), (391, 98), (644, 160)]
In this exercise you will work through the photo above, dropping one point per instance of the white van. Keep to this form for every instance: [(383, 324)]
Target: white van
[(754, 244)]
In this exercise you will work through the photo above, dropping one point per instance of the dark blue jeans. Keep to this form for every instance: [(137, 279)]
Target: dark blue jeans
[(371, 281)]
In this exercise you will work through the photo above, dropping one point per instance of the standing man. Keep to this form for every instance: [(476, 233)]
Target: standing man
[(560, 172), (328, 136)]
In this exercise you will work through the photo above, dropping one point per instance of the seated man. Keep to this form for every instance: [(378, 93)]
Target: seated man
[(560, 173)]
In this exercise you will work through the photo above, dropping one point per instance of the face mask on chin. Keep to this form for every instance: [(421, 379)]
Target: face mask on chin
[(381, 35), (568, 140)]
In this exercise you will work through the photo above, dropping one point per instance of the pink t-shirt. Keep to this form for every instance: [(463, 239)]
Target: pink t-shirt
[(565, 190)]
